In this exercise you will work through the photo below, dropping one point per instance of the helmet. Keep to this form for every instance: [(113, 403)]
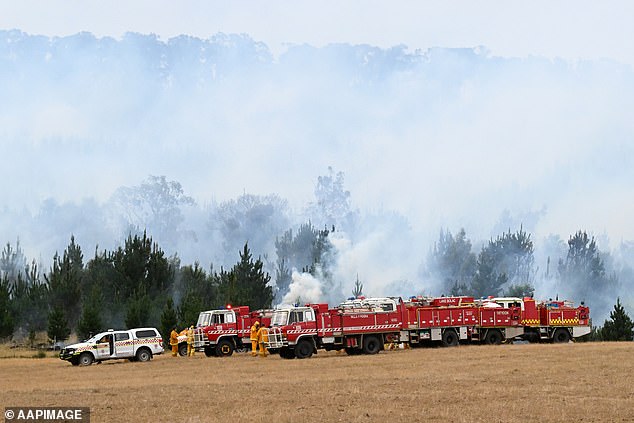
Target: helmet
[(257, 323)]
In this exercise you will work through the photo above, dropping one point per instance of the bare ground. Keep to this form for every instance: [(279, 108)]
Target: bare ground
[(590, 382)]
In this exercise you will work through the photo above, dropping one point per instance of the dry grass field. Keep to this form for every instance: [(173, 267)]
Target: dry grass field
[(590, 382)]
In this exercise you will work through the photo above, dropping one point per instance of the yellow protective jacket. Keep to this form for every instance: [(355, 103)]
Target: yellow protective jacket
[(263, 335), (190, 336), (254, 332), (174, 338)]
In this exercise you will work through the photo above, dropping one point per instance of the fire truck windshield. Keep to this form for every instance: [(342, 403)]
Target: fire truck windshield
[(279, 318), (203, 319)]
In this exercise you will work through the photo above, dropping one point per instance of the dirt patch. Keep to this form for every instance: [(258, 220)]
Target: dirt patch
[(507, 383)]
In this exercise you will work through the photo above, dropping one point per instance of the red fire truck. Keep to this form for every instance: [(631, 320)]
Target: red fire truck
[(223, 331), (365, 325), (494, 320), (357, 326)]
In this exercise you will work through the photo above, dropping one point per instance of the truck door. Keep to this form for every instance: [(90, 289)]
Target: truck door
[(123, 345), (230, 321), (105, 347), (303, 321)]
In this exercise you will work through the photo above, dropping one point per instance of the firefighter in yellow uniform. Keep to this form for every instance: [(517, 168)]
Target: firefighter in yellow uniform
[(174, 342), (190, 341), (263, 336), (254, 338)]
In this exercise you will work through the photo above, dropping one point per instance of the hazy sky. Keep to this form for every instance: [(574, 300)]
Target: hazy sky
[(568, 29), (566, 132)]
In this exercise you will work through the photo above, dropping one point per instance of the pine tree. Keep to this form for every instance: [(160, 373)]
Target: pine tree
[(619, 327), (487, 281), (521, 290), (283, 278), (246, 283), (137, 314), (6, 315), (90, 321), (507, 259), (169, 320), (583, 272), (58, 329), (199, 293), (65, 280)]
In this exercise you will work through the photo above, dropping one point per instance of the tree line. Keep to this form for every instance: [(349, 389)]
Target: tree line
[(136, 284)]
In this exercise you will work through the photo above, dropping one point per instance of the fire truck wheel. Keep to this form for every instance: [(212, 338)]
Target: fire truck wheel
[(450, 338), (371, 345), (287, 353), (86, 359), (182, 349), (224, 348), (210, 351), (304, 349), (493, 337), (143, 355), (561, 336)]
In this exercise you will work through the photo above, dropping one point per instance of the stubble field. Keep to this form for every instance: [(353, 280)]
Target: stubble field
[(590, 382)]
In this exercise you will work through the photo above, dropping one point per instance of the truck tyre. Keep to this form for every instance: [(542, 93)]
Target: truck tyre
[(371, 345), (450, 338), (86, 359), (143, 354), (304, 349), (353, 351), (182, 349), (561, 336), (287, 353), (493, 337), (210, 351), (224, 348)]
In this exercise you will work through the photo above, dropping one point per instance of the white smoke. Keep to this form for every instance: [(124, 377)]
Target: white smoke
[(304, 287), (384, 252)]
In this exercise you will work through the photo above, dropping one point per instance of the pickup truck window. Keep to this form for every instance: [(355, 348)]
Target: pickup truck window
[(121, 336), (145, 334)]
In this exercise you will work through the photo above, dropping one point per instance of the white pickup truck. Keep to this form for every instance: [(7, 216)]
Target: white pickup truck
[(134, 344)]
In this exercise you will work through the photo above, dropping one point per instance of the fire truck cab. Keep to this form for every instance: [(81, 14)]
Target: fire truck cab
[(215, 317), (221, 332), (293, 331)]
